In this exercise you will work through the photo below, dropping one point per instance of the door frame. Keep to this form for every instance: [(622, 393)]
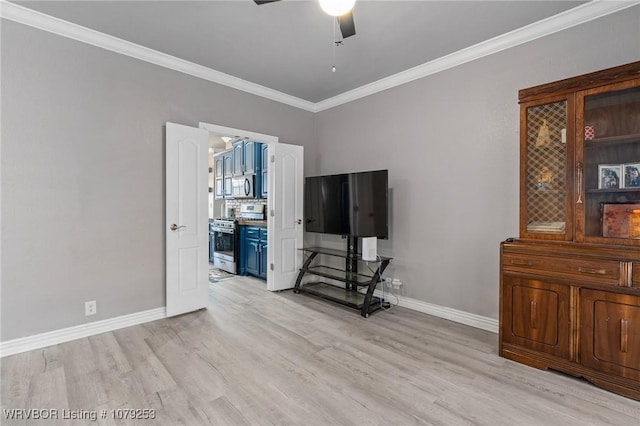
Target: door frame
[(219, 130)]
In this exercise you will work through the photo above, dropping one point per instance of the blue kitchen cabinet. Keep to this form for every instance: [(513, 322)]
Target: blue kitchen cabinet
[(247, 157), (262, 256), (253, 257), (222, 170), (218, 177), (253, 251), (227, 161), (264, 181), (238, 158)]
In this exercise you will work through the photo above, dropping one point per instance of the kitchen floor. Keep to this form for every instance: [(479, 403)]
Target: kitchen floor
[(216, 275)]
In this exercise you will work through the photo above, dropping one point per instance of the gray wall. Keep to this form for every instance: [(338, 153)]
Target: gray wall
[(83, 159), (450, 142), (83, 174)]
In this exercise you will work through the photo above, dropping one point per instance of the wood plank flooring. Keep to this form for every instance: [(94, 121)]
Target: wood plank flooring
[(261, 358)]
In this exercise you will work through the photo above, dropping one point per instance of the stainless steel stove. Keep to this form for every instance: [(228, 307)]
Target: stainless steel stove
[(225, 244), (225, 236)]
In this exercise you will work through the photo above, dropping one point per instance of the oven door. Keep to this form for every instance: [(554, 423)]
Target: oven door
[(225, 248), (242, 186)]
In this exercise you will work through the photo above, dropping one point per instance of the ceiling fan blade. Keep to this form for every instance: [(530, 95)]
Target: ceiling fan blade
[(347, 27), (259, 2)]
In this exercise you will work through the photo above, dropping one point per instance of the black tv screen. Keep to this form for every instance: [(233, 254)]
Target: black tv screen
[(354, 204)]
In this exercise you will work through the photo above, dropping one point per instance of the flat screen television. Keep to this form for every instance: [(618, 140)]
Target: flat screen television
[(352, 204)]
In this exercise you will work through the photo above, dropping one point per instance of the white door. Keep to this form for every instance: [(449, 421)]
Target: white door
[(285, 204), (187, 232)]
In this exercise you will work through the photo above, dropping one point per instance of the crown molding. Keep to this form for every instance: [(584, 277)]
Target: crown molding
[(32, 18), (570, 18)]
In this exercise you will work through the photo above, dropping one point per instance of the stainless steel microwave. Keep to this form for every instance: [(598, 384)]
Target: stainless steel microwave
[(243, 186)]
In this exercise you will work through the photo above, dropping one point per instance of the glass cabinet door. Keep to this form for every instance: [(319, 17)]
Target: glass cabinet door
[(545, 208), (609, 145)]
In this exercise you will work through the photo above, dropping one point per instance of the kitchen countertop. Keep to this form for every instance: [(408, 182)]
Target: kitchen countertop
[(252, 222)]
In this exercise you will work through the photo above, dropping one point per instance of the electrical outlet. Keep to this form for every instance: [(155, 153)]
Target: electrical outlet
[(90, 308)]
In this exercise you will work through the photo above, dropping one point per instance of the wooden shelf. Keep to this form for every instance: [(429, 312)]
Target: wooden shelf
[(607, 191), (612, 140)]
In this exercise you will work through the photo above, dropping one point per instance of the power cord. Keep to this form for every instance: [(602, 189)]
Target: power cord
[(383, 281)]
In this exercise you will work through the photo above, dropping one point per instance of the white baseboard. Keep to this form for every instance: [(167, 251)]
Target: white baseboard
[(38, 341), (24, 344), (451, 314)]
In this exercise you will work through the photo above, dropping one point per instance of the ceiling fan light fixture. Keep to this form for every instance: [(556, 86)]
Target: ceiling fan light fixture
[(336, 7)]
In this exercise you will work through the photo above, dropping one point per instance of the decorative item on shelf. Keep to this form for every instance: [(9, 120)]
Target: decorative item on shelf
[(543, 138), (545, 179), (620, 220), (601, 120), (631, 175), (589, 132), (609, 176)]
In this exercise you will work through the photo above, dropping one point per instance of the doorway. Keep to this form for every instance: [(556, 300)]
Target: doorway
[(283, 204)]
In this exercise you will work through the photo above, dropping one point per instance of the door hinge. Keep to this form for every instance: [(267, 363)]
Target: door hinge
[(272, 213), (271, 267), (273, 158)]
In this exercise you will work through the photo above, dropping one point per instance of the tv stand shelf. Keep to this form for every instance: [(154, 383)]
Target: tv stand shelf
[(358, 289)]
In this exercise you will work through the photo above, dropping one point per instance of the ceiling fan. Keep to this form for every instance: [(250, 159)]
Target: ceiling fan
[(334, 8)]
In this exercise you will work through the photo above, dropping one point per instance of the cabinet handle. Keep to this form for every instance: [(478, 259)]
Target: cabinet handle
[(579, 167), (623, 335), (522, 262), (592, 271), (533, 314)]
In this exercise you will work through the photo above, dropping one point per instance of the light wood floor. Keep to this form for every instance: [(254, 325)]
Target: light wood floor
[(262, 358)]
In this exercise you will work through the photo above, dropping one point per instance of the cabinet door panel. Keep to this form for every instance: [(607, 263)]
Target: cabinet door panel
[(218, 165), (250, 157), (252, 257), (546, 150), (219, 189), (238, 158), (536, 315), (263, 259), (610, 147), (228, 164), (218, 170), (611, 332)]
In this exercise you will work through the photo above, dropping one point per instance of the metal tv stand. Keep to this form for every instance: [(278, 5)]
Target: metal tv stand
[(352, 293)]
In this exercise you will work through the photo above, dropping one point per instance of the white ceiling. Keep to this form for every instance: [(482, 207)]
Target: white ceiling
[(288, 46)]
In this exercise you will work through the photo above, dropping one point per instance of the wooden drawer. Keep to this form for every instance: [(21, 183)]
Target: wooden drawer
[(635, 277), (605, 271)]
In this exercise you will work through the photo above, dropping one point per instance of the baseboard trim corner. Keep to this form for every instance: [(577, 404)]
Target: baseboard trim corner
[(38, 341), (455, 315)]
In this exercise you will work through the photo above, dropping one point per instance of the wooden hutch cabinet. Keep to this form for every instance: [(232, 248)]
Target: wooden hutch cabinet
[(570, 285)]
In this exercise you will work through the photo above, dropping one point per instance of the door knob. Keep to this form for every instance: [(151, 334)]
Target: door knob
[(175, 227)]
